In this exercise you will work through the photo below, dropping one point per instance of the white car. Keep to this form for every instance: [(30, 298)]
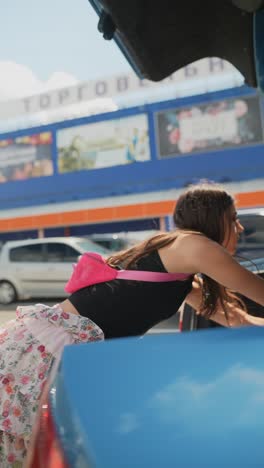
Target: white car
[(40, 267), (121, 240)]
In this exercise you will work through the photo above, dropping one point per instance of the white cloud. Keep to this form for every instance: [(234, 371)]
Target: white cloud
[(128, 423), (231, 400), (59, 80), (17, 81)]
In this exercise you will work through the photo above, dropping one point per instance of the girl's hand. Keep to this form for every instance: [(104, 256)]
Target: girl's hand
[(251, 320), (237, 316)]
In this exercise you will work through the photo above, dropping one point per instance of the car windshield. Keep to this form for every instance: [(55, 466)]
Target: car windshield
[(86, 245)]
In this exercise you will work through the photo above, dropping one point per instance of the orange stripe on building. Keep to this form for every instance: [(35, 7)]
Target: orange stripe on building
[(250, 199), (111, 214)]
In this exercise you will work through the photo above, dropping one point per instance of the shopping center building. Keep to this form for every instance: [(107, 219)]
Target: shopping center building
[(122, 169)]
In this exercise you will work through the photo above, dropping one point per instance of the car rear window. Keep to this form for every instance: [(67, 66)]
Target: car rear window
[(27, 253)]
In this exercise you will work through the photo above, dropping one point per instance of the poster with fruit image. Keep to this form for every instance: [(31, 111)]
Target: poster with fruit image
[(103, 144)]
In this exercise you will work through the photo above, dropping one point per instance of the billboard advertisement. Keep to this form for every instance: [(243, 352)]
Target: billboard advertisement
[(208, 127), (103, 144), (26, 157)]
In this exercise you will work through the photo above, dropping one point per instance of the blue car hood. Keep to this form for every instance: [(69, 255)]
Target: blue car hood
[(178, 400)]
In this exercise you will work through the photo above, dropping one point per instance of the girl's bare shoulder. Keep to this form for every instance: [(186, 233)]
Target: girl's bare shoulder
[(193, 240), (187, 252)]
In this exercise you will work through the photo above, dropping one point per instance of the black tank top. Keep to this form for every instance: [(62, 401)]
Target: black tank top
[(124, 308)]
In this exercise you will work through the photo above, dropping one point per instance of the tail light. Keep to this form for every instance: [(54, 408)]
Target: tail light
[(45, 450)]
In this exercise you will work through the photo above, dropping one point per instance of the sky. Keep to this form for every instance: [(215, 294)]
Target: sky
[(52, 43)]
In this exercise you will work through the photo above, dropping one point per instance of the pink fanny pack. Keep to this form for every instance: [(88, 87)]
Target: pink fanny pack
[(92, 269)]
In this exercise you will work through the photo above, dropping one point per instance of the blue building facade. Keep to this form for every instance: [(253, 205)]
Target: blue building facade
[(151, 148)]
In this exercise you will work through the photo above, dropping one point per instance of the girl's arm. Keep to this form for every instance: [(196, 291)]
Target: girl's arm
[(237, 316), (208, 257)]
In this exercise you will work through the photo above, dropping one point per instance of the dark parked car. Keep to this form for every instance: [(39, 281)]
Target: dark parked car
[(251, 242)]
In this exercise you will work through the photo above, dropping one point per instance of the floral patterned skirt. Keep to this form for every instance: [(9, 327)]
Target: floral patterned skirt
[(30, 349)]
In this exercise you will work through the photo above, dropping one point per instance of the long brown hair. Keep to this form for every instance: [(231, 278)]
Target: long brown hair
[(202, 209)]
